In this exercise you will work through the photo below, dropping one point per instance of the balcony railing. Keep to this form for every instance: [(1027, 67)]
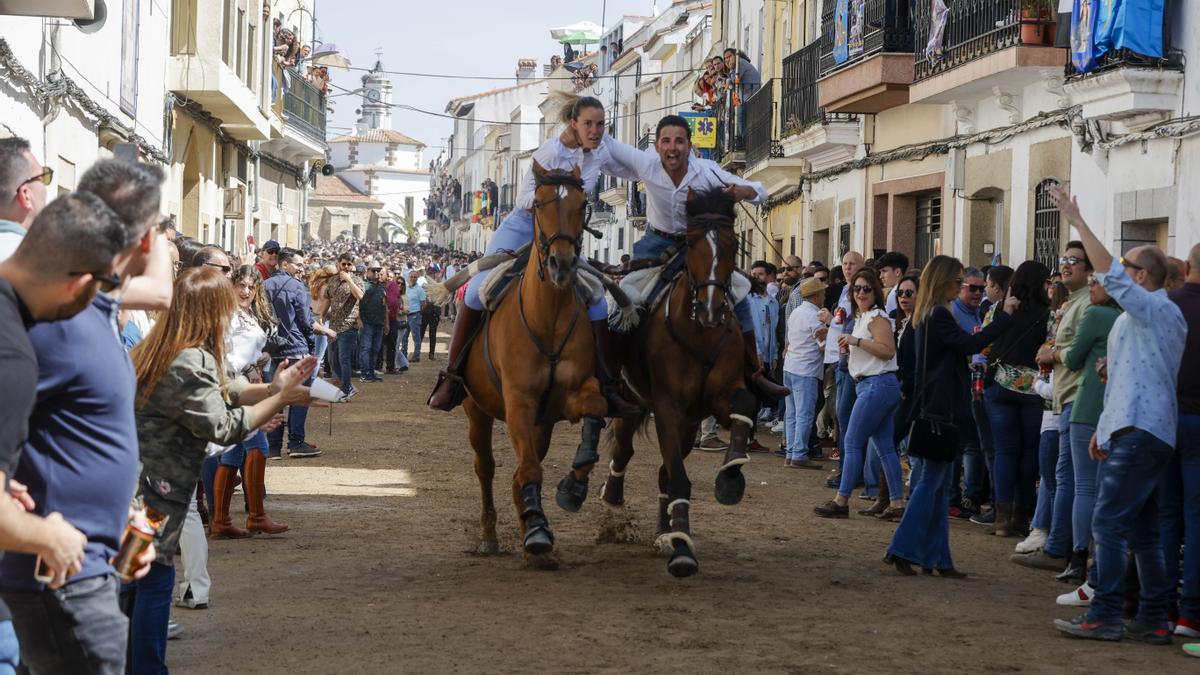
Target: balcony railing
[(973, 29), (603, 184), (635, 206), (760, 124), (728, 139), (1124, 58), (870, 27), (506, 198), (304, 106), (645, 141)]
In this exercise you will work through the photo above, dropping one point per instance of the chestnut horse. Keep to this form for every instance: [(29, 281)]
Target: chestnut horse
[(688, 367), (532, 364)]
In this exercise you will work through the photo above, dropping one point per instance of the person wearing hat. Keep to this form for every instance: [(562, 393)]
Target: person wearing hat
[(373, 312), (268, 259), (803, 368)]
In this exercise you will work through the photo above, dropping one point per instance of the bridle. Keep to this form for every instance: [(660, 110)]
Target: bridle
[(710, 226), (563, 181)]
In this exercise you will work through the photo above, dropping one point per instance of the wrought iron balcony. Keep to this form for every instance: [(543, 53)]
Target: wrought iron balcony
[(972, 29), (645, 141), (761, 140), (635, 206), (867, 28), (799, 106), (304, 107), (598, 204), (1123, 58), (730, 142)]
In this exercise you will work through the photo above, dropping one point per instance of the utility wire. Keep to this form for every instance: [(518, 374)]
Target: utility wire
[(449, 76)]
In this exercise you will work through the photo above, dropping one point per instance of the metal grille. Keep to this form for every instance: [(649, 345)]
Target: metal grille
[(974, 29), (1046, 226), (929, 227), (843, 240)]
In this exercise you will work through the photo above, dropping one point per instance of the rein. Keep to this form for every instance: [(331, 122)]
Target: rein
[(562, 182)]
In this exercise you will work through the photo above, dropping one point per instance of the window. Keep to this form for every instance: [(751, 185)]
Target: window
[(929, 228), (621, 238), (1046, 226), (843, 240), (1136, 233), (792, 245), (183, 27)]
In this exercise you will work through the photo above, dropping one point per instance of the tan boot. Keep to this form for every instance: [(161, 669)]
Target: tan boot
[(882, 502), (257, 520), (220, 524)]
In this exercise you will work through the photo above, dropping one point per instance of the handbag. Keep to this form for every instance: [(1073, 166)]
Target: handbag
[(931, 436), (277, 342), (1017, 379)]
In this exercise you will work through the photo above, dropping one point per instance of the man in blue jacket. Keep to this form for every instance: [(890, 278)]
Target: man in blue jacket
[(293, 308)]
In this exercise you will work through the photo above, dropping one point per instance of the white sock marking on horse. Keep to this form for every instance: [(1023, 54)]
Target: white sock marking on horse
[(612, 470), (741, 418)]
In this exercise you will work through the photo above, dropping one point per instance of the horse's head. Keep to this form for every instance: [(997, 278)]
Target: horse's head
[(559, 212), (711, 244)]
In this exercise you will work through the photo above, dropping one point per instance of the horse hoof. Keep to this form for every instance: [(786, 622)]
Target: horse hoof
[(613, 492), (730, 486), (539, 542), (487, 548), (544, 562), (682, 563), (571, 493)]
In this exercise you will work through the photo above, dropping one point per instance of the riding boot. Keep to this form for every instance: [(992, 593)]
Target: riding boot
[(450, 391), (608, 369), (255, 486), (755, 374), (220, 524)]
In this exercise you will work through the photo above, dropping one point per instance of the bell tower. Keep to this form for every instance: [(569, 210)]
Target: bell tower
[(376, 97)]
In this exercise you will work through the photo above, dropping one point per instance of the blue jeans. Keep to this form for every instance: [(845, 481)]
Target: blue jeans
[(1047, 458), (652, 246), (923, 536), (320, 346), (801, 411), (347, 348), (10, 650), (1127, 513), (1016, 420), (1086, 472), (412, 330), (147, 603), (872, 418), (370, 341), (1179, 517), (297, 417), (1058, 542)]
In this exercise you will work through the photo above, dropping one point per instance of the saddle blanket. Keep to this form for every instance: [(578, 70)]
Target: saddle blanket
[(499, 281), (644, 288)]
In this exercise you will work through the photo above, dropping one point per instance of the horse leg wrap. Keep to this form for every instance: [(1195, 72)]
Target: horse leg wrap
[(532, 514), (741, 421), (664, 518), (613, 491), (679, 528), (586, 454)]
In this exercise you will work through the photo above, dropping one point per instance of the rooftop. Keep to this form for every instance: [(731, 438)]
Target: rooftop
[(334, 188), (379, 136)]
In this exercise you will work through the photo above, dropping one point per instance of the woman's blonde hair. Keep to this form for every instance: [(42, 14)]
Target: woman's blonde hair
[(199, 316), (941, 272), (569, 105)]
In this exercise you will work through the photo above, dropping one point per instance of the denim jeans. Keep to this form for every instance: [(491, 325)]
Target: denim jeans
[(320, 346), (1179, 517), (10, 650), (1127, 514), (844, 406), (1047, 458), (389, 345), (147, 603), (872, 418), (976, 458), (652, 246), (801, 411), (297, 417), (923, 536), (370, 342), (413, 331), (1086, 471), (78, 628), (1016, 420), (1058, 542), (347, 348)]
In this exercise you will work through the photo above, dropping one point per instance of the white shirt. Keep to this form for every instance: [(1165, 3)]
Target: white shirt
[(835, 329), (891, 306), (9, 241), (553, 155), (666, 202), (804, 355), (862, 363)]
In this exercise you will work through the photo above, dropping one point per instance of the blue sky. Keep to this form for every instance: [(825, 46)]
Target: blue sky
[(466, 37)]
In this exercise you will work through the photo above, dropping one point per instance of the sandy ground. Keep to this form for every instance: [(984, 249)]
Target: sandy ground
[(378, 574)]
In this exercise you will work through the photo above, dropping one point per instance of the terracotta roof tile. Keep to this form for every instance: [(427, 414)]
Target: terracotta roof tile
[(379, 136), (335, 188)]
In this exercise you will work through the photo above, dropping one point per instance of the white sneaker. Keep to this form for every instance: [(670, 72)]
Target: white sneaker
[(765, 415), (1035, 541), (778, 428), (1080, 597), (174, 630)]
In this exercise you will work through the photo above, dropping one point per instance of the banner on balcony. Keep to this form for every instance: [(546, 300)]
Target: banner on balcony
[(858, 27), (1101, 26), (704, 130), (841, 32), (938, 15)]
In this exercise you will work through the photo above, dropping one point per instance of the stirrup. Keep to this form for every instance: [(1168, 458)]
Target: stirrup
[(456, 391)]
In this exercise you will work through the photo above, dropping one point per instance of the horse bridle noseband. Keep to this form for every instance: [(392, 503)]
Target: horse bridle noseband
[(562, 182)]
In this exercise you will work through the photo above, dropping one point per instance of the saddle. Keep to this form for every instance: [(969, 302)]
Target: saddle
[(500, 280), (648, 286)]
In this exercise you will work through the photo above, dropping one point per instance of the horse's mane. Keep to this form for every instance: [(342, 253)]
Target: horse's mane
[(714, 202), (559, 177)]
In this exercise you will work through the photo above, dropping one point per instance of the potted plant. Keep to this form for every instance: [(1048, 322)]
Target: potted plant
[(1038, 26)]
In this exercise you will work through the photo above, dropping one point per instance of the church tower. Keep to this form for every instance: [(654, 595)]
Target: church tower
[(376, 110)]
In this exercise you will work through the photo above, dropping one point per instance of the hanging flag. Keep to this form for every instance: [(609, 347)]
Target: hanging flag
[(1136, 25), (1085, 52), (841, 29), (858, 27), (939, 13)]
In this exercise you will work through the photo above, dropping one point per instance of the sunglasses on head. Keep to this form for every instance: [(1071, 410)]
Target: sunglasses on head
[(1126, 262), (225, 269), (906, 293)]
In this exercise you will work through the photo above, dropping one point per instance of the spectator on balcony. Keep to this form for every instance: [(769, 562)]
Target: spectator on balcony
[(743, 72), (705, 91)]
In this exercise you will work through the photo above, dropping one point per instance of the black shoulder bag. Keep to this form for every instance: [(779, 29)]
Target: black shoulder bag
[(932, 436)]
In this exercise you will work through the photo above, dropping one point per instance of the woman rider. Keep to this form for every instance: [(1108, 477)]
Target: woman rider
[(582, 144)]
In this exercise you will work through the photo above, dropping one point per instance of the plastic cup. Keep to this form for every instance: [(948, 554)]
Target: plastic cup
[(324, 390)]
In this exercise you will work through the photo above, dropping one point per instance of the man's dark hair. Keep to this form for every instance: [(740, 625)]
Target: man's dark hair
[(893, 259), (674, 121), (759, 263), (1075, 243), (188, 248), (14, 165), (77, 232), (1000, 275), (288, 254), (132, 189), (344, 257), (205, 255)]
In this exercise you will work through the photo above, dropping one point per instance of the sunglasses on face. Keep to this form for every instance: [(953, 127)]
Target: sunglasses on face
[(1069, 260), (823, 279), (46, 177), (863, 289), (1126, 262), (106, 282), (906, 293), (974, 288)]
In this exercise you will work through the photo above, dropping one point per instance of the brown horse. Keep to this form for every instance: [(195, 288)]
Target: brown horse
[(531, 366), (688, 367)]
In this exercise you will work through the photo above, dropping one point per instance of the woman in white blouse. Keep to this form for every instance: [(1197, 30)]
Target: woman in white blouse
[(872, 364)]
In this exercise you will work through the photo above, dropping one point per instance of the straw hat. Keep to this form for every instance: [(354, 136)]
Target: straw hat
[(812, 286)]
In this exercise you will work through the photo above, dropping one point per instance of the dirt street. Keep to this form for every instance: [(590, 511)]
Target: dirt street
[(378, 574)]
